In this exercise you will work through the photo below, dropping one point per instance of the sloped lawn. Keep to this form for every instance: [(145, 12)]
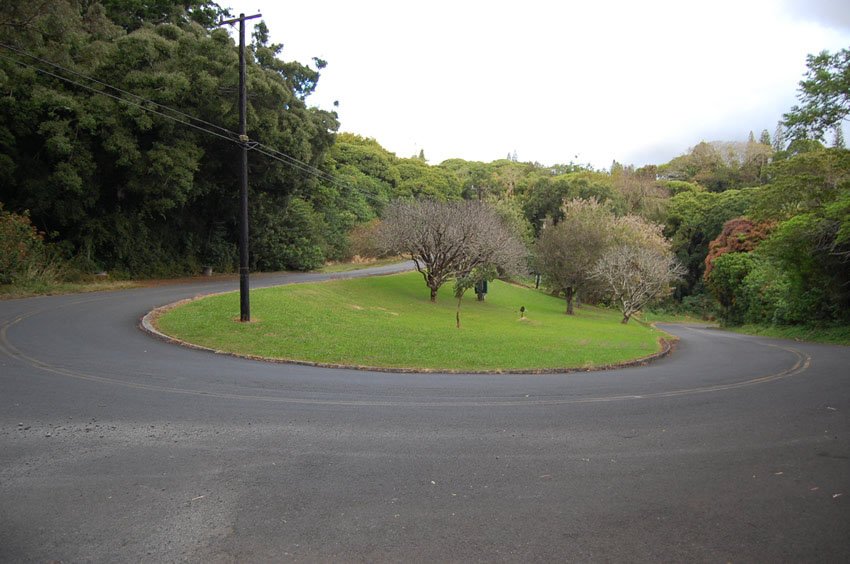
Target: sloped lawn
[(389, 322)]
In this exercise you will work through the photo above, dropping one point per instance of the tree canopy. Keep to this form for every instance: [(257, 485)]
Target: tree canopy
[(94, 141), (824, 96)]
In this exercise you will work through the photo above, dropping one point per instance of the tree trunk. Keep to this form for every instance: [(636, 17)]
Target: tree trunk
[(457, 315), (625, 319), (570, 293), (433, 294)]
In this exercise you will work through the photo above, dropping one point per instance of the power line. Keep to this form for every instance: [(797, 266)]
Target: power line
[(227, 134), (271, 152), (117, 89), (291, 161), (116, 97)]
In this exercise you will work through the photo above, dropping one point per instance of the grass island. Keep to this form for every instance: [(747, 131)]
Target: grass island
[(388, 322)]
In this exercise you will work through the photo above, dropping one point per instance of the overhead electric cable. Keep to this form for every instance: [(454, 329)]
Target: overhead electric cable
[(304, 167), (117, 89), (116, 97), (142, 103)]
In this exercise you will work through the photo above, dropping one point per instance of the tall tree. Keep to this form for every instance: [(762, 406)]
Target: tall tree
[(756, 157), (419, 180), (694, 218), (566, 252), (712, 165), (133, 14), (824, 96), (779, 137)]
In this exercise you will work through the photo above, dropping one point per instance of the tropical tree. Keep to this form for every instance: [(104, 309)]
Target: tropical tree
[(789, 261), (370, 170), (475, 178), (726, 283), (739, 235), (566, 251), (546, 193), (419, 180), (694, 219), (824, 96)]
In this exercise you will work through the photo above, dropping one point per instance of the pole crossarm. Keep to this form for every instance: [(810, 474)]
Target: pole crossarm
[(240, 19)]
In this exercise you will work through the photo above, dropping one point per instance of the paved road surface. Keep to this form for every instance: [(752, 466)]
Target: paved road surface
[(116, 447)]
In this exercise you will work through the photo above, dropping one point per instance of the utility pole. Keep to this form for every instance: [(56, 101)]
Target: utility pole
[(244, 299)]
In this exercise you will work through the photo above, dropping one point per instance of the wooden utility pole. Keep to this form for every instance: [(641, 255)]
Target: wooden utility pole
[(244, 299)]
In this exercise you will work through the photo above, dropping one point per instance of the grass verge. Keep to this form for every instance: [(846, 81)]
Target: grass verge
[(9, 292), (389, 322), (839, 335)]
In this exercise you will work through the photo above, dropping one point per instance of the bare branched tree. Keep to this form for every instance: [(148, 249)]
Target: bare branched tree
[(449, 240), (636, 275)]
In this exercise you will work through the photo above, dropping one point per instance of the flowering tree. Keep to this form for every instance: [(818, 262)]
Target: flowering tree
[(636, 275)]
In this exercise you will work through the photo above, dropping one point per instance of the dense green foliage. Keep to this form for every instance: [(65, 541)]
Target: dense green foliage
[(134, 190), (694, 219), (799, 272)]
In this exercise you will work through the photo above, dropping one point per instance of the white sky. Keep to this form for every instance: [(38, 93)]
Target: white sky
[(555, 81)]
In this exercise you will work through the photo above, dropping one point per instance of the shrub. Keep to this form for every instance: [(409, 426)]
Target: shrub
[(286, 237), (25, 259), (700, 305), (739, 235), (766, 291), (364, 241), (726, 282)]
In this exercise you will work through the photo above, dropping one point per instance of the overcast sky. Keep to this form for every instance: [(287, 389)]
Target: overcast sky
[(588, 82)]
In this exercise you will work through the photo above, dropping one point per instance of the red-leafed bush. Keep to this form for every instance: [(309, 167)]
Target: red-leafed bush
[(739, 235)]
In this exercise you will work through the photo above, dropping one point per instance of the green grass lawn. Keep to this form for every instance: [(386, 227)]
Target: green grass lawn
[(388, 321)]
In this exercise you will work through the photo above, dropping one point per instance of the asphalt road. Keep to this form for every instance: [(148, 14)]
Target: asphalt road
[(117, 447)]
